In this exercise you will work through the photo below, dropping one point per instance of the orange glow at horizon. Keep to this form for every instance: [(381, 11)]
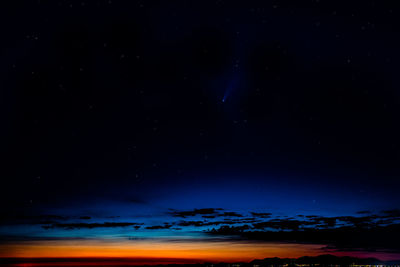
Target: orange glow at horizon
[(185, 250)]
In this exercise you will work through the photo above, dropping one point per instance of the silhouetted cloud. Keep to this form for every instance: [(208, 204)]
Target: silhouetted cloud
[(13, 219), (70, 226), (249, 220), (368, 231), (208, 216), (262, 214), (326, 221), (157, 227), (395, 213), (365, 231), (230, 214), (191, 223), (205, 223), (206, 211), (342, 238), (280, 224)]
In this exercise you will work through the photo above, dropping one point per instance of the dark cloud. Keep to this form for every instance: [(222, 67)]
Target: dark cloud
[(231, 214), (7, 219), (281, 224), (249, 220), (208, 216), (261, 215), (230, 230), (395, 213), (321, 222), (370, 232), (325, 221), (191, 223), (379, 238), (365, 221), (70, 226), (367, 231), (157, 227), (265, 221), (206, 223), (206, 211)]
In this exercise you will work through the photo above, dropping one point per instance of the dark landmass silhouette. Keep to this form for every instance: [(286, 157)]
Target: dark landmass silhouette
[(321, 260)]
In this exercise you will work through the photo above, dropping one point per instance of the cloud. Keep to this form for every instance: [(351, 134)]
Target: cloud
[(395, 213), (206, 211), (230, 214), (209, 216), (206, 223), (280, 224), (266, 220), (366, 231), (191, 223), (70, 226), (325, 221), (231, 230), (262, 214), (14, 219), (157, 227), (377, 238)]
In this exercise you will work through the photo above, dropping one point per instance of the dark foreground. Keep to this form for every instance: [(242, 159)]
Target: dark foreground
[(319, 261)]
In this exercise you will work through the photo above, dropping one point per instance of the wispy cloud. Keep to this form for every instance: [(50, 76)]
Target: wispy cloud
[(71, 226)]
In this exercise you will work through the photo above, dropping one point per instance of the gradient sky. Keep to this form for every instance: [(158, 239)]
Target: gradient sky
[(199, 131)]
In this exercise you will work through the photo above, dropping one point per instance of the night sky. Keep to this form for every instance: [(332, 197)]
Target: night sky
[(199, 130)]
